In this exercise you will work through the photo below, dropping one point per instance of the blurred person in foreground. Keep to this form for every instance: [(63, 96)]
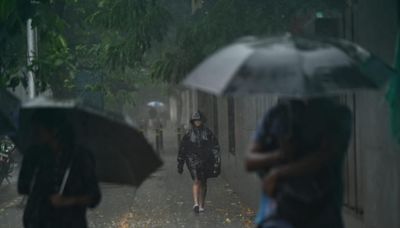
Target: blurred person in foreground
[(298, 152), (199, 149), (43, 170)]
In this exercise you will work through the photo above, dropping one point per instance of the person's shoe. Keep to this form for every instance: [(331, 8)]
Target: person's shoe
[(196, 208), (201, 209)]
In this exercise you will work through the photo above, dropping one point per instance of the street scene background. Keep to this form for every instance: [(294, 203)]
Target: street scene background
[(164, 200), (130, 57)]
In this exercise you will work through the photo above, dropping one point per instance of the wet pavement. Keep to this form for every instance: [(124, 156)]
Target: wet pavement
[(164, 200)]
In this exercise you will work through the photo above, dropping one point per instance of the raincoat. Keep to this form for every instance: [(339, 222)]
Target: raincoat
[(200, 150), (41, 176)]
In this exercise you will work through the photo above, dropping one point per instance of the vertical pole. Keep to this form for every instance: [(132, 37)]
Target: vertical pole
[(32, 51)]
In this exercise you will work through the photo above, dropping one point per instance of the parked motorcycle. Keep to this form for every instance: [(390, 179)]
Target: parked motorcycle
[(7, 151)]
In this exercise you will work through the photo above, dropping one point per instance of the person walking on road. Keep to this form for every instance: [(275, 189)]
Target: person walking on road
[(56, 199), (200, 150)]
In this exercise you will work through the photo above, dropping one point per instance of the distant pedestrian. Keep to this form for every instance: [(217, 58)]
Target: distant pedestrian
[(159, 129), (298, 151), (43, 173), (143, 126), (199, 149)]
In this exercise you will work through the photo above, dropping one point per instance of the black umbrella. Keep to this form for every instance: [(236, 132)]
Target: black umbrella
[(122, 154), (9, 111), (288, 65)]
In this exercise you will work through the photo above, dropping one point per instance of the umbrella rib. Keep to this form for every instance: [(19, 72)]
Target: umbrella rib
[(226, 86)]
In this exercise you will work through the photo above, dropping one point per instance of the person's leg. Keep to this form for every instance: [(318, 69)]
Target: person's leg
[(196, 193), (203, 193)]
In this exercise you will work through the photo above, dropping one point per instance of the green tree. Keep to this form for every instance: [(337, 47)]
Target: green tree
[(221, 22), (13, 15), (123, 42), (109, 37)]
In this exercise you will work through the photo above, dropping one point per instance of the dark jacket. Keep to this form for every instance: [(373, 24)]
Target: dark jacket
[(41, 176), (313, 200), (200, 150)]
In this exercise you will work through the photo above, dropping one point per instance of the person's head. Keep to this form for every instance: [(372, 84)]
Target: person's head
[(197, 123), (197, 119), (50, 127)]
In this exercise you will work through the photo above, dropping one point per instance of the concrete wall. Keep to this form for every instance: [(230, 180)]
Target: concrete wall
[(375, 28), (248, 113), (233, 169)]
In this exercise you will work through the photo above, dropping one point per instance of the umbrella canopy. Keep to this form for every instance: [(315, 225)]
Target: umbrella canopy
[(122, 154), (156, 104), (156, 108), (291, 66), (9, 111)]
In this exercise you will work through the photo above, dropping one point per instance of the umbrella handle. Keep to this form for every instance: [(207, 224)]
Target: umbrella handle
[(64, 181)]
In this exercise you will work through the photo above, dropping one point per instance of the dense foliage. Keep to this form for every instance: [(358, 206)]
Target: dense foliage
[(124, 42), (108, 37), (221, 22)]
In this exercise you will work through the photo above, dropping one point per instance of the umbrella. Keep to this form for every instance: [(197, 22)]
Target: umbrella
[(123, 156), (288, 65), (156, 104), (9, 110), (156, 108)]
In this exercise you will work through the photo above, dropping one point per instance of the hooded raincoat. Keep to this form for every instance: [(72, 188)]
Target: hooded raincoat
[(200, 150)]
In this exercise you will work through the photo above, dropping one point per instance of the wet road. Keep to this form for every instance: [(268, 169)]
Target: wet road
[(164, 200)]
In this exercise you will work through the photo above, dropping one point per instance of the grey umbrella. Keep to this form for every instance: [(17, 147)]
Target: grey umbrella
[(9, 111), (123, 155), (288, 65)]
